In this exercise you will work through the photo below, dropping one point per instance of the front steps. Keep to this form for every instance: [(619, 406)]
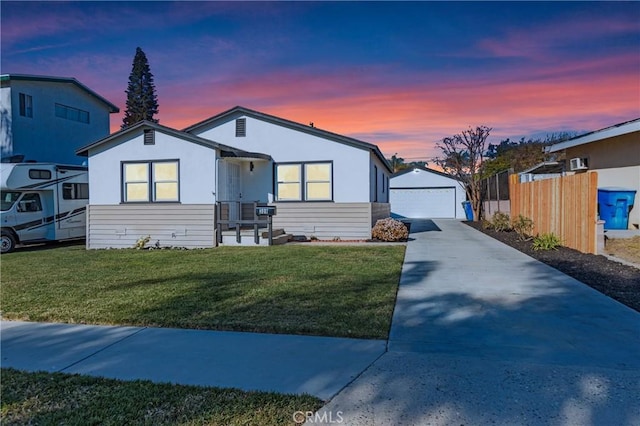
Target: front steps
[(247, 237)]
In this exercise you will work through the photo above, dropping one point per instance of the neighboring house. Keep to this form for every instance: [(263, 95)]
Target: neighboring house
[(421, 192), (46, 118), (613, 152), (157, 181)]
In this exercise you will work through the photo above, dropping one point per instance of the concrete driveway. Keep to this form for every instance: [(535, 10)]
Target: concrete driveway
[(483, 334)]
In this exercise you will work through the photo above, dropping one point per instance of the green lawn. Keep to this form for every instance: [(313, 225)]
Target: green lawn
[(318, 290), (44, 398)]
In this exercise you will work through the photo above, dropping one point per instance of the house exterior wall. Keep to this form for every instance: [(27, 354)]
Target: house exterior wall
[(419, 178), (379, 189), (6, 114), (327, 221), (617, 161), (175, 225), (351, 179), (46, 137), (197, 167)]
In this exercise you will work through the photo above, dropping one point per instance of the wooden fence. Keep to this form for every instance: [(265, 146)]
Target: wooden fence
[(566, 206)]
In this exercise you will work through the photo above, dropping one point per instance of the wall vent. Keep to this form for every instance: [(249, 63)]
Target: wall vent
[(149, 137), (241, 127)]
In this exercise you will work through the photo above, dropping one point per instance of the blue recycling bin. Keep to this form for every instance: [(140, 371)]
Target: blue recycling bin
[(468, 211), (614, 205)]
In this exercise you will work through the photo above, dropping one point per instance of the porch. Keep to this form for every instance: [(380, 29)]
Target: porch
[(243, 223)]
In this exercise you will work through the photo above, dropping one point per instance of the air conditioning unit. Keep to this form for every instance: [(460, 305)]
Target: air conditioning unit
[(577, 164)]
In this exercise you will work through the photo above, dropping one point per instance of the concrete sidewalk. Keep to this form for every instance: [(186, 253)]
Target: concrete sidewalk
[(319, 366), (483, 334)]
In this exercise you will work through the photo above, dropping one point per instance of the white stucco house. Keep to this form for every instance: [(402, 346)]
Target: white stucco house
[(45, 118), (423, 193), (153, 180)]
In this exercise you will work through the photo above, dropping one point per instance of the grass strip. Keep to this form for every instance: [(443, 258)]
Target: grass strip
[(56, 398)]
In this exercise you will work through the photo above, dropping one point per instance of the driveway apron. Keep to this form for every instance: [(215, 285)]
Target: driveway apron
[(484, 334)]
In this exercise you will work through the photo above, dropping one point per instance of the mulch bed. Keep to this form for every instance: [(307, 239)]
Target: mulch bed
[(616, 280)]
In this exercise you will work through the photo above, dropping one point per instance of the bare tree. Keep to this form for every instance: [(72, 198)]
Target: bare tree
[(462, 157)]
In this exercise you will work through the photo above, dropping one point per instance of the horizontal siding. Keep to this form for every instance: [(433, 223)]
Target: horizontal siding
[(175, 225), (326, 221)]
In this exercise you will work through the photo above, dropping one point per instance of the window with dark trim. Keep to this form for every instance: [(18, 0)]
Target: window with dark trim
[(150, 181), (375, 185), (26, 105), (312, 181), (241, 127), (75, 191), (71, 113), (39, 174)]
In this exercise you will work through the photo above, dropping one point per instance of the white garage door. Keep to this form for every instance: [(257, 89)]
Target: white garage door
[(423, 202)]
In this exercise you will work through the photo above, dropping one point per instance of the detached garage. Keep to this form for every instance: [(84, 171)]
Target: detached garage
[(422, 193)]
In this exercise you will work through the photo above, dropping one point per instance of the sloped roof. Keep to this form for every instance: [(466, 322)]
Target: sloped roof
[(66, 80), (425, 169), (598, 135), (546, 167), (228, 151), (212, 121)]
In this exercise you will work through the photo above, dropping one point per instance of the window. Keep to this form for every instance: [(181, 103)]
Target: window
[(75, 191), (30, 203), (71, 113), (241, 127), (304, 182), (318, 181), (39, 174), (289, 178), (149, 137), (375, 184), (8, 199), (150, 181), (26, 105)]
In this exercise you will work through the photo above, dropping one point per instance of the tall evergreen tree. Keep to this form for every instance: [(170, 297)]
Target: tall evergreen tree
[(142, 101)]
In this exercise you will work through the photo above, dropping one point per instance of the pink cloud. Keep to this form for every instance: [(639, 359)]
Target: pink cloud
[(539, 41)]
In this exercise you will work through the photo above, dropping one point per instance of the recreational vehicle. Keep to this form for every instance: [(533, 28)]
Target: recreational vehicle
[(42, 202)]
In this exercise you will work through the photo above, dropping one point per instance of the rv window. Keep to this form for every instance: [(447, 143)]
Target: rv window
[(9, 199), (75, 191), (30, 203), (39, 174)]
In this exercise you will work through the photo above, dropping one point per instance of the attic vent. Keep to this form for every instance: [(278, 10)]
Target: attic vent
[(149, 137), (241, 127)]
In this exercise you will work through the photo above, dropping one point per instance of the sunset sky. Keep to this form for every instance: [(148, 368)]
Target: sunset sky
[(400, 75)]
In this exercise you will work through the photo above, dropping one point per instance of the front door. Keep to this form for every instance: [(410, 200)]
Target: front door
[(230, 190)]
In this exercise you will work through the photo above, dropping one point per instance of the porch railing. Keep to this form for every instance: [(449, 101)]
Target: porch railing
[(240, 215)]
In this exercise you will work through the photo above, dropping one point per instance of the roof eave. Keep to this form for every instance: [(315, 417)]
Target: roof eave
[(294, 126), (29, 77), (597, 135)]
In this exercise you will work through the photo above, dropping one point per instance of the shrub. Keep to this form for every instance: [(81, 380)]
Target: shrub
[(486, 224), (547, 242), (142, 242), (523, 227), (390, 230), (501, 222)]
